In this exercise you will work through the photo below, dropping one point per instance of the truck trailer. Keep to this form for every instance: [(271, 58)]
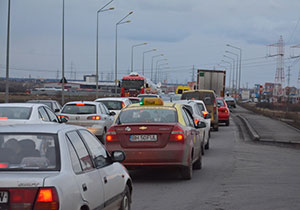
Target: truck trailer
[(212, 80)]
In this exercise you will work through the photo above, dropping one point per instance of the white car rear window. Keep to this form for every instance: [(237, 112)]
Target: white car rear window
[(28, 152), (79, 109), (15, 113)]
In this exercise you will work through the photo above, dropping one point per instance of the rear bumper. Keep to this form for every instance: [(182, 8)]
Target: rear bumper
[(223, 118), (174, 154)]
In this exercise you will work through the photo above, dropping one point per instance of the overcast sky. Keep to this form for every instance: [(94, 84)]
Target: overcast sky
[(188, 32)]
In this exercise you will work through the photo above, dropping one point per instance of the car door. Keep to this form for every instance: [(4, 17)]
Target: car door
[(110, 118), (111, 176), (87, 176), (195, 136)]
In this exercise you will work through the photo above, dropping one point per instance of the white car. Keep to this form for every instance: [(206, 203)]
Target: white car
[(54, 105), (207, 119), (200, 114), (115, 104), (60, 167), (25, 113), (92, 115)]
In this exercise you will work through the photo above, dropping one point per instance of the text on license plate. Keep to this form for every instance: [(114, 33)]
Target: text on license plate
[(143, 138), (3, 196)]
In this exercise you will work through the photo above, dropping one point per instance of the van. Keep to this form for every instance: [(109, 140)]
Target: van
[(209, 98)]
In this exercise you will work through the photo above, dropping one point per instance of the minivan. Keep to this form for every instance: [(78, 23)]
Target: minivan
[(209, 98)]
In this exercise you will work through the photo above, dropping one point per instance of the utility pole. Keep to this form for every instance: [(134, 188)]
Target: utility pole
[(7, 54), (279, 76)]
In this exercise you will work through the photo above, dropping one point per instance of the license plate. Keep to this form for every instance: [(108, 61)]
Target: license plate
[(142, 138), (3, 197)]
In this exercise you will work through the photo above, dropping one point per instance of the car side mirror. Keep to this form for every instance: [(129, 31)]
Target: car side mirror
[(118, 156), (201, 125), (112, 113), (56, 110), (63, 120)]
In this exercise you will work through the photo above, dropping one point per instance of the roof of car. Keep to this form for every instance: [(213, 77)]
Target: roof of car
[(112, 99), (48, 100), (202, 90), (36, 128), (166, 104), (29, 105), (82, 102)]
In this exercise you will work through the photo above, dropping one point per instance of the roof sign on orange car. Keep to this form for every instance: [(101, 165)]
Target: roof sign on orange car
[(152, 102)]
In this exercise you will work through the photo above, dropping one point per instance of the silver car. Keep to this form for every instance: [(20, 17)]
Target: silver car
[(54, 105), (60, 166), (92, 115), (24, 113), (198, 117)]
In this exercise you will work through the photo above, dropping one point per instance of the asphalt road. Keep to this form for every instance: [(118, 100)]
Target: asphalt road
[(237, 174)]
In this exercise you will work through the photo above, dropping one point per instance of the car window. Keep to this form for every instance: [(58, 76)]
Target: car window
[(52, 116), (201, 107), (30, 152), (96, 148), (106, 110), (220, 102), (185, 118), (74, 158), (79, 109), (189, 118), (113, 105), (197, 110), (100, 109), (148, 115), (43, 114), (81, 151), (16, 113)]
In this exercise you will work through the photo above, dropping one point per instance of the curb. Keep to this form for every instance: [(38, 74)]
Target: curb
[(254, 135)]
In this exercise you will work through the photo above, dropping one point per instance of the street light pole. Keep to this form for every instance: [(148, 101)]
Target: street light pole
[(240, 69), (226, 71), (137, 45), (237, 69), (116, 48), (97, 44), (7, 54), (143, 67), (63, 56), (155, 56), (233, 71), (156, 68)]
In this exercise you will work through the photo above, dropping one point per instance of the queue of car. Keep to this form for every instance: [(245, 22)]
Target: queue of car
[(71, 160)]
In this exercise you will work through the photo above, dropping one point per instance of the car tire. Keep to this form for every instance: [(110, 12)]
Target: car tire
[(198, 164), (126, 200), (216, 127), (227, 123), (207, 145), (187, 171)]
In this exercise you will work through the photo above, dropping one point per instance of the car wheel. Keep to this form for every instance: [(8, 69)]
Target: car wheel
[(198, 164), (207, 145), (227, 122), (216, 127), (187, 171), (125, 204)]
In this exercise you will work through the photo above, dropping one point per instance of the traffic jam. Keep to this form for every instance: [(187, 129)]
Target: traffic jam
[(80, 156)]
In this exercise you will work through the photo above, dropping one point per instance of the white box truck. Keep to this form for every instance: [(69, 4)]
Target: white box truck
[(212, 80)]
